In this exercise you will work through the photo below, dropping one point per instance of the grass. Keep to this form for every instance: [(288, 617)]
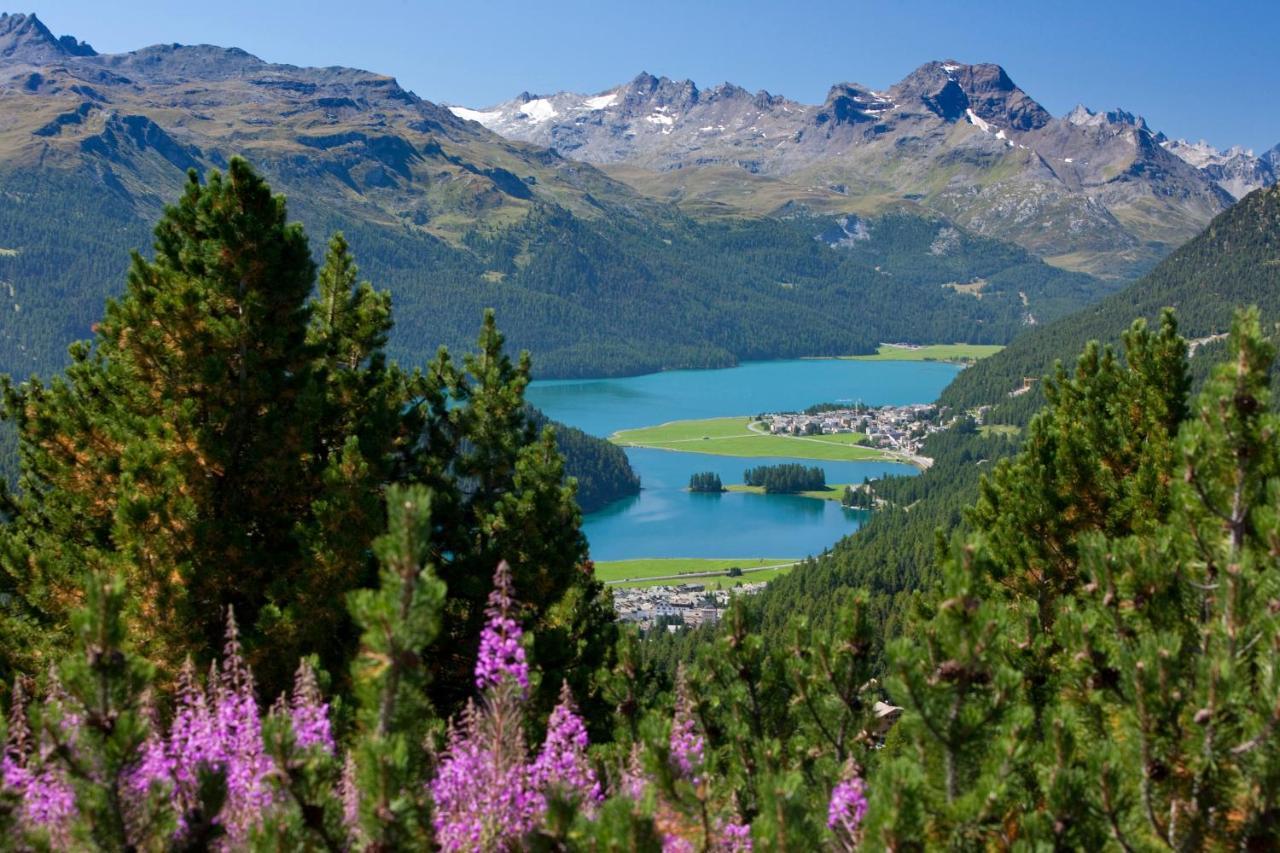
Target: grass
[(933, 352), (989, 430), (734, 437), (833, 492), (651, 571)]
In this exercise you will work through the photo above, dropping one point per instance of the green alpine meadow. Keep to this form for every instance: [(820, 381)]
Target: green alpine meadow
[(389, 474)]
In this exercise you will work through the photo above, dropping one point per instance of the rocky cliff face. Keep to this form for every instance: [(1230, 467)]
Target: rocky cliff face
[(1093, 190)]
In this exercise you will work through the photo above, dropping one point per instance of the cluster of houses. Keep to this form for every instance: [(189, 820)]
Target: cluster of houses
[(690, 604), (900, 428)]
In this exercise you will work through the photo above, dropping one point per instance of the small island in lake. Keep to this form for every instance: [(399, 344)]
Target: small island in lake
[(707, 481), (787, 479)]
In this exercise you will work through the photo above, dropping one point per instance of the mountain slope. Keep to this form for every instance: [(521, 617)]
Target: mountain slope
[(1095, 191), (587, 273), (1232, 263)]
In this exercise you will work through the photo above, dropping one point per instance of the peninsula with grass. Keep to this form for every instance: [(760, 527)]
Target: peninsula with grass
[(747, 436), (956, 353)]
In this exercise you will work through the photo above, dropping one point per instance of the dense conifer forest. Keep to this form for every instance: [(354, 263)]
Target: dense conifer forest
[(620, 295), (600, 468)]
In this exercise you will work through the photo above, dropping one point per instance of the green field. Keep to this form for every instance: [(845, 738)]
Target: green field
[(833, 491), (934, 352), (733, 437), (650, 572)]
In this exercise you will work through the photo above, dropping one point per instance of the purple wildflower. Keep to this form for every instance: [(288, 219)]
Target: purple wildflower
[(64, 709), (484, 796), (501, 654), (734, 837), (349, 794), (634, 783), (193, 740), (154, 765), (309, 712), (46, 801), (563, 761), (238, 727), (677, 844), (848, 806), (686, 744)]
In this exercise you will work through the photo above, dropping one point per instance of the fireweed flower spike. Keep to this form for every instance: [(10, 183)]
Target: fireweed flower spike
[(46, 801), (484, 799), (238, 727), (563, 762), (634, 783), (349, 795), (309, 712), (686, 744), (501, 654), (734, 837), (192, 738), (848, 807), (154, 765)]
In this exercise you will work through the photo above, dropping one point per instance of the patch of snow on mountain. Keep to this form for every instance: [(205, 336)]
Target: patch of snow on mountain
[(659, 118), (485, 118), (539, 110), (977, 121), (599, 102)]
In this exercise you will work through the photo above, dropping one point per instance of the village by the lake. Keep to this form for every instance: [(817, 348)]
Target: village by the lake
[(900, 429)]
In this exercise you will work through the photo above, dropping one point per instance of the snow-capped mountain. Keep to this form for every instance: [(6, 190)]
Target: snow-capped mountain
[(1236, 169), (1098, 190)]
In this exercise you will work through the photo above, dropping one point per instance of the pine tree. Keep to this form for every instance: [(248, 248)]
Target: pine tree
[(221, 443), (174, 450), (399, 620), (504, 498), (1177, 635)]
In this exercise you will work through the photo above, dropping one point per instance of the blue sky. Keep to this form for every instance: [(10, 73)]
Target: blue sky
[(1195, 69)]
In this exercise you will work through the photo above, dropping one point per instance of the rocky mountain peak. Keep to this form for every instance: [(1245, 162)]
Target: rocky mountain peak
[(851, 103), (646, 90), (951, 89), (26, 38), (1236, 169), (1082, 116)]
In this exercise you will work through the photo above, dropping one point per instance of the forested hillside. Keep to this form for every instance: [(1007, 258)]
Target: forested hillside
[(1234, 262), (601, 468), (624, 295)]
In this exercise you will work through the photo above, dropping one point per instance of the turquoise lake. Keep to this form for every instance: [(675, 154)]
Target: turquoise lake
[(664, 520)]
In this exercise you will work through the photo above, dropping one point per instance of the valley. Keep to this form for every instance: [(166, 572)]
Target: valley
[(383, 472)]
